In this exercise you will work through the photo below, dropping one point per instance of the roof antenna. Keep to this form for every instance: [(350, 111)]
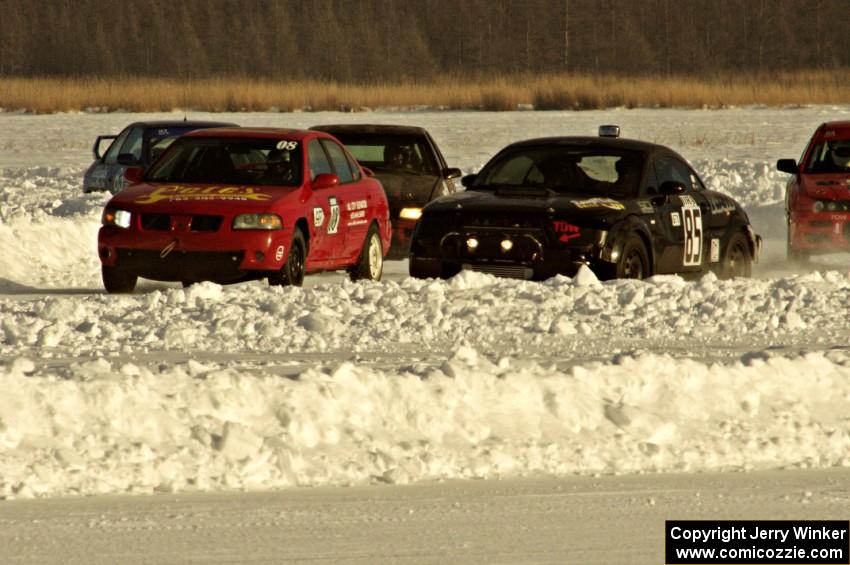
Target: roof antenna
[(184, 116)]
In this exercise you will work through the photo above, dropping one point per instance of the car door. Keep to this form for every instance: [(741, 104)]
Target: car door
[(110, 160), (681, 217), (354, 202), (327, 236), (446, 184), (121, 155), (716, 209)]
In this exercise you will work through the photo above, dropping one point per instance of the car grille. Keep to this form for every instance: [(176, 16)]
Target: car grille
[(183, 265), (205, 223), (162, 222), (527, 245), (505, 271)]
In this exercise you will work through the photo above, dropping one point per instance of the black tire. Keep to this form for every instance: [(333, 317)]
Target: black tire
[(117, 281), (423, 268), (738, 259), (420, 268), (799, 256), (633, 262), (370, 266), (293, 269)]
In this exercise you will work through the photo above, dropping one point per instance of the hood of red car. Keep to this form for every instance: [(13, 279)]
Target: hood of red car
[(199, 197), (827, 186)]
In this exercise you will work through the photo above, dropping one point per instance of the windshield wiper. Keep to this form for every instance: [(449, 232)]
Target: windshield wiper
[(402, 171), (515, 189), (495, 186)]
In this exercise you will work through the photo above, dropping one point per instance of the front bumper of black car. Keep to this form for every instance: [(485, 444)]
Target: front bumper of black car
[(521, 254)]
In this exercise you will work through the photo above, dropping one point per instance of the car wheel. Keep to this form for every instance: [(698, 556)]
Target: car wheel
[(633, 262), (422, 268), (795, 255), (370, 266), (425, 268), (292, 272), (117, 281), (737, 261)]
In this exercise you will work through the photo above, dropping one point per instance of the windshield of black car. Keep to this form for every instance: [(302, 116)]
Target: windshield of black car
[(381, 151), (830, 157), (582, 170), (246, 161)]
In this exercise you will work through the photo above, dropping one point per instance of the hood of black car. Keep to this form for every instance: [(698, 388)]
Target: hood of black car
[(532, 202)]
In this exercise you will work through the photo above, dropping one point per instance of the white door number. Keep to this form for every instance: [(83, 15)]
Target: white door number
[(692, 225), (333, 223)]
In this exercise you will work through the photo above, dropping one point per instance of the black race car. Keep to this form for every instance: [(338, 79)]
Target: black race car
[(138, 145), (542, 207), (409, 165)]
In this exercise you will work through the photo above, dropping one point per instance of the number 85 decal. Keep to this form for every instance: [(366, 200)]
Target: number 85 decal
[(692, 225)]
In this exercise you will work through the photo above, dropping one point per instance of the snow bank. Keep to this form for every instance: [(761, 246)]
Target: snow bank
[(751, 183), (560, 318), (114, 428)]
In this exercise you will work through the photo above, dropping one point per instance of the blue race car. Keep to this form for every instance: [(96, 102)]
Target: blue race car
[(138, 145)]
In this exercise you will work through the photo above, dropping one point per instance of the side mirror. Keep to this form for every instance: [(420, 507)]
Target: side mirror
[(452, 173), (96, 147), (787, 166), (468, 180), (127, 159), (325, 180), (672, 188), (133, 175)]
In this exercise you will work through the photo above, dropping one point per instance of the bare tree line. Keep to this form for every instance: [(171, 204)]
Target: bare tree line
[(382, 40)]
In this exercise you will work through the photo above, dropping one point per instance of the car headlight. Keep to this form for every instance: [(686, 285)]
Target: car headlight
[(115, 217), (817, 206), (410, 213), (257, 222)]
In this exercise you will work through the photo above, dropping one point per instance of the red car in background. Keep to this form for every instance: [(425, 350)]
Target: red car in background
[(817, 198), (229, 205)]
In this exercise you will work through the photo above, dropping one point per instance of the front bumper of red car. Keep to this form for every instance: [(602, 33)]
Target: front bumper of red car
[(226, 256), (824, 231)]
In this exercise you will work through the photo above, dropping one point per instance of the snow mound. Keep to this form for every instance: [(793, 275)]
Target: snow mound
[(113, 428), (490, 314), (751, 183)]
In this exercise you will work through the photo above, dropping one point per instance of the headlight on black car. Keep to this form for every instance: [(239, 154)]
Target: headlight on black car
[(116, 217), (257, 222)]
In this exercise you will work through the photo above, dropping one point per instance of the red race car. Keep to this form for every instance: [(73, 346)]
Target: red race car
[(229, 205), (817, 199)]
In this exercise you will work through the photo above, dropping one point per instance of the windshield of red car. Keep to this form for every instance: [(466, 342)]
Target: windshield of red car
[(830, 157), (243, 161), (582, 170)]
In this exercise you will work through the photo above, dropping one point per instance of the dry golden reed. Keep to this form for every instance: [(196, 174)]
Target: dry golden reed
[(543, 92)]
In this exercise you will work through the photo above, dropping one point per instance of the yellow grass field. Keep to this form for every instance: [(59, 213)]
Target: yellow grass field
[(543, 92)]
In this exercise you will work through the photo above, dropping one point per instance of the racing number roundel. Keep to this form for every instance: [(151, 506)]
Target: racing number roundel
[(692, 226), (333, 223)]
